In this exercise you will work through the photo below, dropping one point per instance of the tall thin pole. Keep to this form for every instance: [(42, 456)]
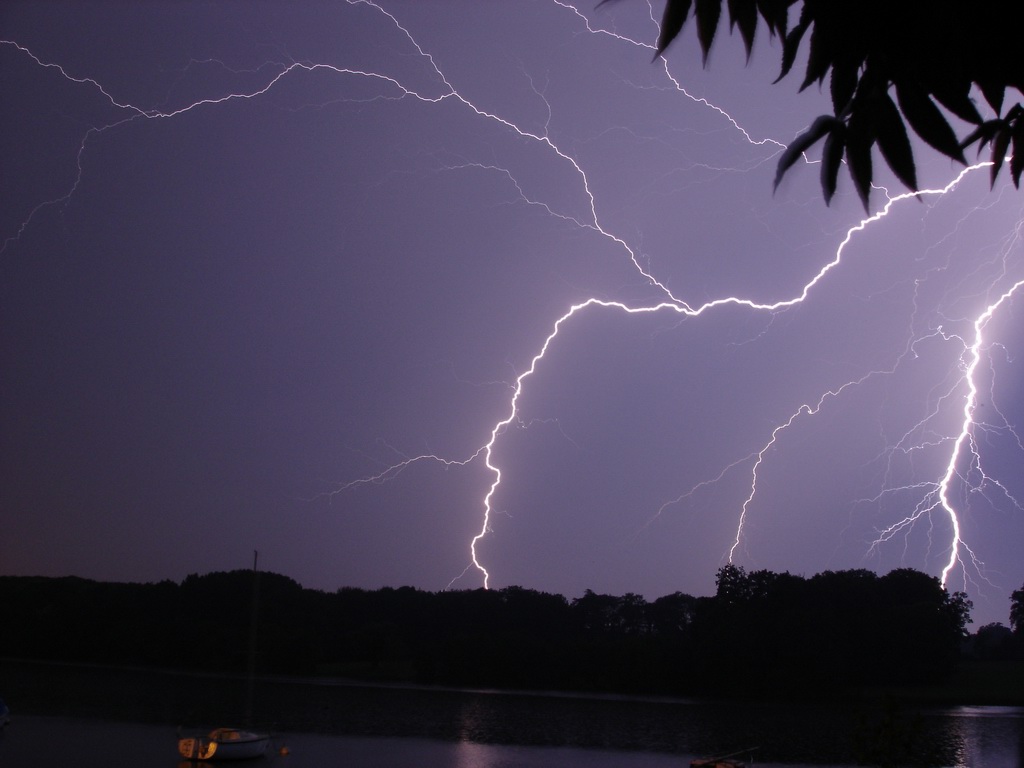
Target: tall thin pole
[(251, 672)]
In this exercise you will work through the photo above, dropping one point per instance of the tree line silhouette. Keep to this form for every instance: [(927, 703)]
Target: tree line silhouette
[(761, 632)]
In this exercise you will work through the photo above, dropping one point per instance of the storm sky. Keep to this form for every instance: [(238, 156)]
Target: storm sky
[(353, 284)]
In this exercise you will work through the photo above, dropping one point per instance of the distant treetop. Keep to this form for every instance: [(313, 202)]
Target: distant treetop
[(889, 64)]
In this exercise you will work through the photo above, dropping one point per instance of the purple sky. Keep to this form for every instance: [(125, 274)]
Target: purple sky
[(273, 274)]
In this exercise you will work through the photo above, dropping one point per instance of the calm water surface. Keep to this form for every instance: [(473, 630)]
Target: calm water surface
[(88, 716)]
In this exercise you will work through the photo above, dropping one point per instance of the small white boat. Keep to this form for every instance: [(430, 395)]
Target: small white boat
[(723, 761), (224, 744), (716, 762)]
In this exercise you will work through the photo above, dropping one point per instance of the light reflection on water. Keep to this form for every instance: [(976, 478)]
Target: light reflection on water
[(995, 734), (62, 742), (84, 716), (59, 742)]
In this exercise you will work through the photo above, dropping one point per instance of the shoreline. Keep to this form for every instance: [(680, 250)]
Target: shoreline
[(975, 683)]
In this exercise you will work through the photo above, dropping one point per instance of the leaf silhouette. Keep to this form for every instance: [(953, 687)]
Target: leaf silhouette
[(894, 142), (1000, 144), (743, 14), (934, 60), (708, 13), (983, 134), (993, 93), (819, 59), (843, 84), (858, 155), (958, 102), (672, 21), (776, 15), (792, 43), (831, 159), (802, 143), (927, 121), (1017, 160)]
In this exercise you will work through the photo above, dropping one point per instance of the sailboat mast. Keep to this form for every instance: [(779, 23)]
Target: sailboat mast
[(251, 671)]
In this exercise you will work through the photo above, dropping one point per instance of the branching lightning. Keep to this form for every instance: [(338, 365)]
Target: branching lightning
[(964, 465)]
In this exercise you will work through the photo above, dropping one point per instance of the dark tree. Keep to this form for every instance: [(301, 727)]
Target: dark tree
[(992, 642), (673, 615), (1017, 612), (889, 64), (924, 626)]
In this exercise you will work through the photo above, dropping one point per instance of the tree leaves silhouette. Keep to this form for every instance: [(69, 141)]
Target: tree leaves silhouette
[(935, 56)]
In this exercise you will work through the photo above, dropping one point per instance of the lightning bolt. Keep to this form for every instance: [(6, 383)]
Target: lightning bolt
[(938, 496), (965, 440), (963, 446)]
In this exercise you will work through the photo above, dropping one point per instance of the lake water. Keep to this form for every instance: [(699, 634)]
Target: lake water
[(78, 717)]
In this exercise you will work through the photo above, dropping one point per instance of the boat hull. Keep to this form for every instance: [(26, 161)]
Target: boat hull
[(224, 744)]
